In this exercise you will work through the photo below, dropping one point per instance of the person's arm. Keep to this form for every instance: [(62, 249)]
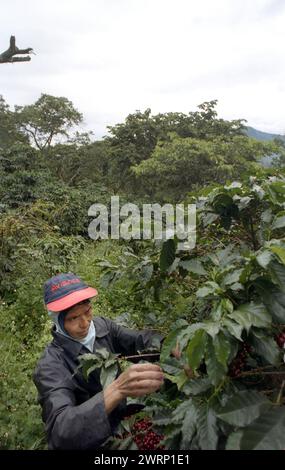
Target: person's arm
[(86, 426), (128, 341), (69, 425)]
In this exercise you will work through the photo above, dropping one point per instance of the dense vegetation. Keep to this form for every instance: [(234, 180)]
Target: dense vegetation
[(223, 302)]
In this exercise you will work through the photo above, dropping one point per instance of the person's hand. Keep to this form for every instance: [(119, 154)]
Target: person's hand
[(136, 381), (139, 380)]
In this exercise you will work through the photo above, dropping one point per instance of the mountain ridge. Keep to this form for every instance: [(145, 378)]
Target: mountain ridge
[(261, 135)]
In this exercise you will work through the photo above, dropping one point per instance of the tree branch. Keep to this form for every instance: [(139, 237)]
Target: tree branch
[(8, 55), (262, 371), (140, 355), (33, 134)]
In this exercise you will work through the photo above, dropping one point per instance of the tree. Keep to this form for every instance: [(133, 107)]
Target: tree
[(134, 141), (67, 161), (183, 164), (9, 54), (8, 130), (47, 118)]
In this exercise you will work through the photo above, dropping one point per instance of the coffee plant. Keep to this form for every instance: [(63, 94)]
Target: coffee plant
[(224, 389)]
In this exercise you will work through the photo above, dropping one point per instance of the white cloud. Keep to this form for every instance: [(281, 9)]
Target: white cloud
[(112, 57)]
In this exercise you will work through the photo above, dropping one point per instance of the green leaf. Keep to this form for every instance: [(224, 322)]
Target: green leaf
[(234, 328), (188, 427), (127, 444), (236, 286), (234, 185), (208, 218), (277, 271), (207, 428), (233, 442), (103, 352), (174, 265), (89, 370), (265, 346), (107, 279), (180, 323), (242, 202), (196, 348), (227, 305), (216, 371), (108, 375), (242, 408), (251, 314), (181, 336), (212, 328), (259, 191), (274, 300), (220, 309), (83, 358), (266, 216), (179, 413), (146, 273), (171, 365), (170, 342), (234, 345), (278, 222), (106, 264), (278, 187), (194, 266), (109, 362), (196, 386), (276, 192), (179, 379), (88, 363), (167, 255), (264, 258), (225, 257), (247, 270), (232, 277), (217, 311), (267, 432), (172, 439), (222, 348), (209, 288), (162, 419), (279, 251)]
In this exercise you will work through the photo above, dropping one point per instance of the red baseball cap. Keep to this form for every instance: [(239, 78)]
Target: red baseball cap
[(65, 290)]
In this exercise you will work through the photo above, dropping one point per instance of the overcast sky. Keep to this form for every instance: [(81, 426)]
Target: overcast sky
[(113, 57)]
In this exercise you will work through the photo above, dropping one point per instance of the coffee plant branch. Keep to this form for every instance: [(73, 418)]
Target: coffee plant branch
[(140, 355), (261, 371), (8, 55)]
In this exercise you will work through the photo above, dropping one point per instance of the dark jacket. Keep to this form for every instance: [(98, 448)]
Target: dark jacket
[(72, 408)]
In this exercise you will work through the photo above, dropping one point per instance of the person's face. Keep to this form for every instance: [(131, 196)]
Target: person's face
[(78, 319)]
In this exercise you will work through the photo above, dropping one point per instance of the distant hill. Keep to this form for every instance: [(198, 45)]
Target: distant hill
[(260, 135), (265, 136)]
